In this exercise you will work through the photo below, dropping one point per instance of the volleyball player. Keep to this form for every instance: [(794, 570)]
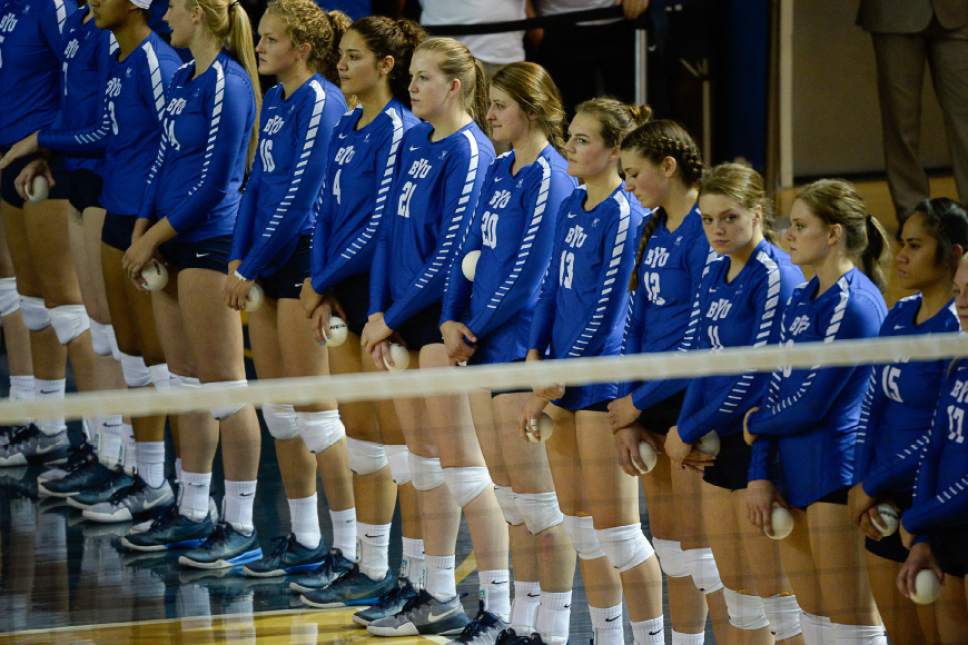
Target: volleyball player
[(85, 59), (272, 246), (442, 167), (740, 301), (664, 166), (900, 402), (582, 312), (488, 321), (187, 216), (373, 66), (934, 526), (810, 417), (29, 61)]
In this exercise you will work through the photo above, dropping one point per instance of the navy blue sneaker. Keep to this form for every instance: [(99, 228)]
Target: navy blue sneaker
[(389, 604), (287, 556), (86, 499), (333, 566), (510, 637), (91, 475), (30, 446), (224, 548), (7, 433), (170, 531), (485, 629), (352, 589), (77, 456)]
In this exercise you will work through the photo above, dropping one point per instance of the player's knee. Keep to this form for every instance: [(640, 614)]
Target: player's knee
[(366, 457), (626, 547), (746, 612), (581, 531), (466, 483), (280, 420), (539, 510)]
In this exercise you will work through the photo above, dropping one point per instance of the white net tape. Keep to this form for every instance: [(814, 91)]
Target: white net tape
[(452, 380)]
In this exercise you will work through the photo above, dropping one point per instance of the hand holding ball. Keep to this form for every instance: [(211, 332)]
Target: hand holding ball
[(886, 519), (469, 264), (709, 444), (782, 521), (336, 335), (255, 298), (39, 189), (539, 430), (400, 357), (154, 275), (648, 456), (927, 587)]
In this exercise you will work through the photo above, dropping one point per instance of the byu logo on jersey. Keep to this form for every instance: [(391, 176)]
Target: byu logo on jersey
[(657, 257), (576, 237), (273, 125), (719, 309), (9, 22), (419, 169), (799, 325), (114, 87), (345, 155), (176, 106)]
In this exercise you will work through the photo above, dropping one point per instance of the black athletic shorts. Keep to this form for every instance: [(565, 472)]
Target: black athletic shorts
[(838, 496), (353, 296), (890, 547), (663, 415), (82, 188), (212, 253), (948, 546), (423, 328), (287, 282), (117, 230), (7, 178), (732, 465)]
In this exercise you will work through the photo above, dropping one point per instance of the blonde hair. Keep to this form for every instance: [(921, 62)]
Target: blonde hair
[(615, 118), (229, 23), (532, 88), (307, 24), (744, 186), (456, 61), (836, 201)]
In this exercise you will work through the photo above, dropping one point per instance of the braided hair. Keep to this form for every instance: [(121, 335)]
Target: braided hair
[(656, 141)]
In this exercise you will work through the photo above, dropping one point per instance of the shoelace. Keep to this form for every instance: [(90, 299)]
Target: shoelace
[(281, 545), (79, 457), (169, 516), (133, 489), (422, 598), (392, 597), (481, 623), (219, 536)]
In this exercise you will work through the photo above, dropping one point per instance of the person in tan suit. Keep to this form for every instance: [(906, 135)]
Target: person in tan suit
[(907, 34)]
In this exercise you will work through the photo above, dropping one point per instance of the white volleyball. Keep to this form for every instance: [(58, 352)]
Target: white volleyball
[(154, 275), (648, 456), (336, 334), (39, 189), (400, 357), (540, 430), (469, 264), (709, 444), (256, 296), (782, 521), (886, 519), (927, 587)]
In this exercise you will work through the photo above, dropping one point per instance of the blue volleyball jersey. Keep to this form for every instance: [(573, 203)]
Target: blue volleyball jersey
[(941, 490), (664, 308), (811, 415), (362, 166), (282, 195), (899, 403), (201, 159), (85, 57), (433, 200), (130, 127), (584, 298), (514, 230), (30, 67), (743, 313)]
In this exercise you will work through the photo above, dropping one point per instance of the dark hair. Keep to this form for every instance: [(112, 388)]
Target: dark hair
[(947, 222), (397, 38), (532, 88), (744, 186), (655, 141), (836, 201)]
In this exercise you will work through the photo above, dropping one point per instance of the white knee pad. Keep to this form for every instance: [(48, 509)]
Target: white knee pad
[(366, 457), (466, 483), (426, 472), (69, 321), (399, 458), (703, 569), (135, 371), (858, 634), (745, 611), (783, 612), (160, 376), (101, 335), (625, 546), (35, 314), (672, 558), (581, 530), (176, 381), (9, 298), (281, 420), (505, 499), (540, 510), (320, 430), (221, 412)]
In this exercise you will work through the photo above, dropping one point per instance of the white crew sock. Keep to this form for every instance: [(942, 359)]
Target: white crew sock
[(554, 616), (50, 390), (607, 624), (413, 565), (344, 532), (151, 462), (22, 387), (239, 500), (304, 519), (495, 586), (440, 576), (682, 638), (524, 608), (110, 447), (194, 493), (373, 549), (649, 632)]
